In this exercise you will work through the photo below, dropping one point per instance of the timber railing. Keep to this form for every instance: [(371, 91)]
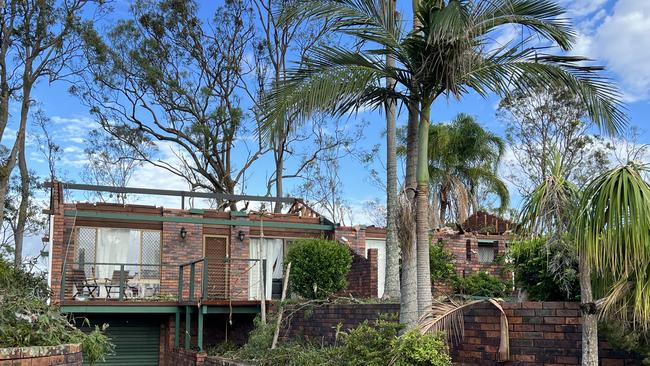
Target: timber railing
[(221, 279)]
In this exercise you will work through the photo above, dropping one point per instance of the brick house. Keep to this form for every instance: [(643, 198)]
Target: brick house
[(476, 246), (166, 278)]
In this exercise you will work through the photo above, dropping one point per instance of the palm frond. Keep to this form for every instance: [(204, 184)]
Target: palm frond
[(544, 17), (449, 317)]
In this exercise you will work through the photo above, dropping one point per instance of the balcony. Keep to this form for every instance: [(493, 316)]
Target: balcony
[(203, 280)]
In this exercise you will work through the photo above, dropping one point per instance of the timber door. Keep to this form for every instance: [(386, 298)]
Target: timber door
[(216, 251)]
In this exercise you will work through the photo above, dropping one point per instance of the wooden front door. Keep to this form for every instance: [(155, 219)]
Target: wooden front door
[(216, 252)]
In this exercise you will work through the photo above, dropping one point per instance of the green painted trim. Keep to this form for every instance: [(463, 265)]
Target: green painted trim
[(487, 241), (238, 214), (196, 211), (119, 309), (199, 330), (235, 310), (193, 220)]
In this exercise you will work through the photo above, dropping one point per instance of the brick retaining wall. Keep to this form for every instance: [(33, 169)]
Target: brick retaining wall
[(65, 354), (541, 333)]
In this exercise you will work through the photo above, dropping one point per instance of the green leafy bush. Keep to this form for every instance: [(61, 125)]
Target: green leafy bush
[(416, 349), (442, 264), (482, 284), (532, 262), (375, 343), (319, 267), (369, 343), (624, 337), (27, 320)]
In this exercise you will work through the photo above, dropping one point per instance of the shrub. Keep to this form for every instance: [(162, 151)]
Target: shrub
[(625, 337), (441, 263), (369, 343), (319, 267), (482, 284), (26, 319), (531, 263), (416, 349)]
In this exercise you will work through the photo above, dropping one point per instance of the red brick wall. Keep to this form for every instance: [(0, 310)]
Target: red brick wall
[(457, 245), (355, 236), (176, 251), (541, 333), (362, 278), (319, 323), (66, 354)]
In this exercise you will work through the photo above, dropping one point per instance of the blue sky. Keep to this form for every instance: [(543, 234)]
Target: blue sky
[(614, 32)]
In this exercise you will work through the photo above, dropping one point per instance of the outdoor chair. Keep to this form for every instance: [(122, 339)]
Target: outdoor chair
[(114, 284), (82, 285)]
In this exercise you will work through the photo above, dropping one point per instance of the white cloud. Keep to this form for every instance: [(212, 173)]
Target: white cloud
[(622, 42), (581, 8)]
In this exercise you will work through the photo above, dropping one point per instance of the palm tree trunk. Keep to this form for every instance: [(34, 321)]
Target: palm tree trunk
[(422, 215), (391, 288), (409, 280), (589, 318)]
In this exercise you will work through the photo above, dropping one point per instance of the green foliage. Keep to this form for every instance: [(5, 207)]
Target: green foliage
[(416, 349), (482, 284), (624, 337), (368, 343), (442, 265), (531, 262), (319, 267), (259, 340), (375, 343), (27, 320)]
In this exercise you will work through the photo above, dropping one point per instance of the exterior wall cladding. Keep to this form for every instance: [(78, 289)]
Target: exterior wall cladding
[(176, 251)]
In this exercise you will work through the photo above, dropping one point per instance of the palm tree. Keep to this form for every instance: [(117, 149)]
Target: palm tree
[(448, 55), (463, 158), (612, 232), (392, 285)]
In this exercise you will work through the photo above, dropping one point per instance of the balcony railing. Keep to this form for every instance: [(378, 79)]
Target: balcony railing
[(201, 279)]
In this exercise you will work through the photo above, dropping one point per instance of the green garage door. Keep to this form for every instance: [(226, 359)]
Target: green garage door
[(137, 341)]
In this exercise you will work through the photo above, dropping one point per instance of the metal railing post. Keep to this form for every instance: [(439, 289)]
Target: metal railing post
[(62, 292), (121, 282), (192, 273), (205, 279)]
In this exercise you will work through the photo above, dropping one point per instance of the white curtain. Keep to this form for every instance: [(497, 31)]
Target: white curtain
[(112, 247), (272, 251)]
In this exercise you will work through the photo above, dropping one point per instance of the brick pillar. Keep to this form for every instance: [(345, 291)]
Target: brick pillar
[(60, 239), (239, 270), (176, 251), (373, 276)]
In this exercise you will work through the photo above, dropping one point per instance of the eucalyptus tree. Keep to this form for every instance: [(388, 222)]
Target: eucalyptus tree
[(178, 80), (449, 55), (38, 41)]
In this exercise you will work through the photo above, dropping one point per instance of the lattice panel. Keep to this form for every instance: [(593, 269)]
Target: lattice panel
[(218, 269), (150, 254), (86, 244), (485, 254)]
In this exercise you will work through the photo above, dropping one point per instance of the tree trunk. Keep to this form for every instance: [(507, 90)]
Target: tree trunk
[(392, 286), (19, 234), (409, 280), (422, 216), (279, 170), (10, 163), (589, 318)]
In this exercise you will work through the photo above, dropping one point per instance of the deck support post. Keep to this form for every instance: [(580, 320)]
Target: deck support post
[(177, 328), (199, 329), (188, 320)]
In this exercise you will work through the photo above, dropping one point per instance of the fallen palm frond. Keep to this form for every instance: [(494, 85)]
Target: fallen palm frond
[(449, 317)]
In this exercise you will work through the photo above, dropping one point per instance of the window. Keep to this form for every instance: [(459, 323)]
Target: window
[(139, 249), (272, 250), (487, 251)]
